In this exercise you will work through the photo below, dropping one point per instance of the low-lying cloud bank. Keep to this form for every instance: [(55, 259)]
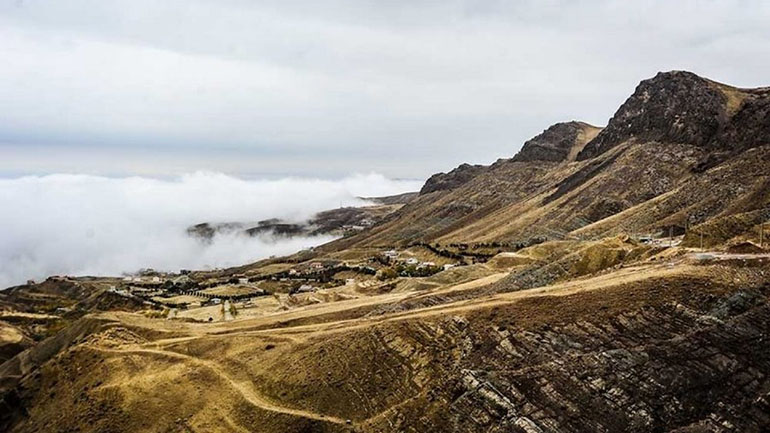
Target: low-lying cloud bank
[(89, 225)]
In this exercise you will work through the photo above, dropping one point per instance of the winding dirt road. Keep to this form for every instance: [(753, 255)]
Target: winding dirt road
[(242, 387)]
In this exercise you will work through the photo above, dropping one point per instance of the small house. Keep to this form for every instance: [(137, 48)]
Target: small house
[(305, 288)]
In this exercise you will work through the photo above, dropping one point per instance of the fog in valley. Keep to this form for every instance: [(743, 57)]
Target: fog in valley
[(92, 225)]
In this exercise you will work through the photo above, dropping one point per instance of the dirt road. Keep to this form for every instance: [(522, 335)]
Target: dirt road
[(244, 388)]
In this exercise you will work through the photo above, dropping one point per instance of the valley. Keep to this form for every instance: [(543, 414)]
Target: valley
[(601, 279)]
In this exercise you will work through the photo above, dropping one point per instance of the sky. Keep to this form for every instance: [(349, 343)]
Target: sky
[(327, 88)]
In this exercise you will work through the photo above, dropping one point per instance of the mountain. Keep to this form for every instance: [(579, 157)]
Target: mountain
[(681, 107), (600, 280), (561, 142), (673, 140)]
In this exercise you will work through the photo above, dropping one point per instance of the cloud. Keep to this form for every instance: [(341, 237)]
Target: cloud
[(409, 88), (92, 225)]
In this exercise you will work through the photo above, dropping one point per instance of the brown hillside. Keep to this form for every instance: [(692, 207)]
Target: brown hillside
[(678, 151)]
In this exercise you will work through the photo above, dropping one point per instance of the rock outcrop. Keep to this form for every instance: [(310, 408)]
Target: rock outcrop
[(681, 107), (560, 142), (455, 178)]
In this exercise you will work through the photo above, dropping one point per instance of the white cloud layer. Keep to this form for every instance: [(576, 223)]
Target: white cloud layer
[(406, 87), (91, 225)]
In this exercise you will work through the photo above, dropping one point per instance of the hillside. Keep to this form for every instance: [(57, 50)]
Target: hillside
[(677, 139), (610, 279)]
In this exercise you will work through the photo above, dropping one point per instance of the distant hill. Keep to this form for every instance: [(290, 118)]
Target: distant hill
[(340, 222)]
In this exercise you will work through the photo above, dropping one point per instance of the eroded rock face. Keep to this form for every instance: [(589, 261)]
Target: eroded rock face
[(669, 368), (640, 372), (560, 142), (681, 107), (451, 180), (678, 107), (750, 126)]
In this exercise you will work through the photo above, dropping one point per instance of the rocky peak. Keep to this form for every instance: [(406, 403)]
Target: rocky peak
[(675, 106), (560, 142), (451, 180)]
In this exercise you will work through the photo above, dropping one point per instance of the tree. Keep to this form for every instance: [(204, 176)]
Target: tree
[(387, 274)]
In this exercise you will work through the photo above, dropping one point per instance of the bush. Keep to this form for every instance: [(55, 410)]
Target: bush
[(387, 274)]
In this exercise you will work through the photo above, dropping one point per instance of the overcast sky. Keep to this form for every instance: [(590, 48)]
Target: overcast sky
[(327, 88)]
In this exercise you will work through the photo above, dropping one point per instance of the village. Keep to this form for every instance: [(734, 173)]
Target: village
[(211, 296), (312, 277)]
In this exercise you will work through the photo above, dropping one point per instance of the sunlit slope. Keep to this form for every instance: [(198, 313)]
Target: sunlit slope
[(499, 363), (681, 150)]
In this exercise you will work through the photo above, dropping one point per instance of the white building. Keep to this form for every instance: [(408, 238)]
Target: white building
[(243, 281), (412, 261)]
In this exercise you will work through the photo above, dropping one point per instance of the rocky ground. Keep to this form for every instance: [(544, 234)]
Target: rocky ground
[(674, 346)]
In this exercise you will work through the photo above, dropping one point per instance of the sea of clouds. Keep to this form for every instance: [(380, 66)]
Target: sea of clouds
[(65, 224)]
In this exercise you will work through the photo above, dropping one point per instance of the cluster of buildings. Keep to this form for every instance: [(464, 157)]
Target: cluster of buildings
[(393, 256), (362, 225)]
